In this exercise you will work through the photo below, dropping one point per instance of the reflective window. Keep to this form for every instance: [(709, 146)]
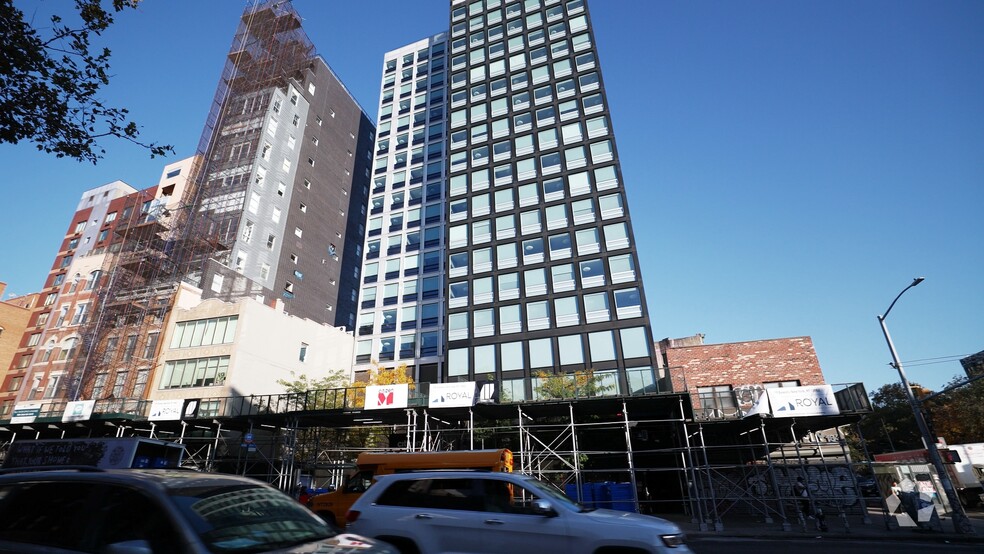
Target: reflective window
[(508, 285), (641, 380), (458, 363), (541, 353), (566, 311), (458, 326), (635, 344), (429, 343), (571, 349), (602, 346), (505, 255), (533, 247), (537, 315), (628, 303), (536, 281), (510, 319), (512, 356), (513, 390), (485, 359), (458, 262), (484, 322), (592, 273)]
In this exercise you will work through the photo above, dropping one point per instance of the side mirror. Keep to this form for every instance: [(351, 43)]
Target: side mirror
[(542, 508)]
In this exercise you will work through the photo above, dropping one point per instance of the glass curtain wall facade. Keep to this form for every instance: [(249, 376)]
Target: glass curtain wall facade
[(401, 308), (499, 245), (542, 268)]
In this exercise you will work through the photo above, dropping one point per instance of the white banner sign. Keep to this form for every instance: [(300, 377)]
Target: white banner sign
[(451, 395), (166, 410), (25, 412), (803, 401), (382, 397), (79, 410)]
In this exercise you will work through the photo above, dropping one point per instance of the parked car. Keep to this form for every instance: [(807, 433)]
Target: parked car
[(868, 487), (460, 511), (158, 511)]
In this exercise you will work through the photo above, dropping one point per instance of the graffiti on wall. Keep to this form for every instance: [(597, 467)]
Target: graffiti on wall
[(747, 395), (830, 485)]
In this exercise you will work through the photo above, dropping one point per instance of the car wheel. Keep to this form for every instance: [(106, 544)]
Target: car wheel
[(404, 545)]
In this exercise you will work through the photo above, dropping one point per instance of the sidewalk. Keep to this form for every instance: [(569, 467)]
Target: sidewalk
[(853, 528)]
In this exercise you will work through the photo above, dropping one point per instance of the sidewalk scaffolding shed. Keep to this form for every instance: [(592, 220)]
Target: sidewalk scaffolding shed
[(104, 453), (643, 452), (750, 467)]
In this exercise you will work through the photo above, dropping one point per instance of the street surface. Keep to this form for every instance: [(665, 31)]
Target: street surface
[(743, 545)]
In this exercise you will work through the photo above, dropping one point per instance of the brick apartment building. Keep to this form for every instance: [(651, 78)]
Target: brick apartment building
[(15, 314)]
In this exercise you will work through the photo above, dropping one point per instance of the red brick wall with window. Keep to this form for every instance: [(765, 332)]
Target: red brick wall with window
[(743, 363)]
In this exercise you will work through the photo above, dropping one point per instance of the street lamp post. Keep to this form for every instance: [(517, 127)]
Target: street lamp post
[(961, 523)]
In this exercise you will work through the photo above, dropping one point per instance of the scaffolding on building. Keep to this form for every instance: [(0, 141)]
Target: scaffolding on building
[(160, 244), (644, 452), (651, 448)]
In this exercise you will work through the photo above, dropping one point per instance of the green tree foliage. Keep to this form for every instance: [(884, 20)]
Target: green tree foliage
[(579, 384), (335, 391), (316, 394), (302, 383), (957, 416), (49, 81), (891, 426)]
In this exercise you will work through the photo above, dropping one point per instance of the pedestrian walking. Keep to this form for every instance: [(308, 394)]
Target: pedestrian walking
[(802, 492)]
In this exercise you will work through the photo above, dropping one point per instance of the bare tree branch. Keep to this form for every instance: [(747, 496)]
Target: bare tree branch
[(49, 86)]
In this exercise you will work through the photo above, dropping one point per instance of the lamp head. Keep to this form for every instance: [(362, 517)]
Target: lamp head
[(917, 280)]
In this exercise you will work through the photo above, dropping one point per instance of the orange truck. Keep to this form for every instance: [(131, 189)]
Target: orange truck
[(332, 506)]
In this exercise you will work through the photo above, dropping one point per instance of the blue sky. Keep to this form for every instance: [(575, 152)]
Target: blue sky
[(790, 166)]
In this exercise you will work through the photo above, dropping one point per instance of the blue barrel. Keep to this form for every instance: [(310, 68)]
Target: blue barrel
[(601, 495), (570, 489), (622, 497), (593, 495)]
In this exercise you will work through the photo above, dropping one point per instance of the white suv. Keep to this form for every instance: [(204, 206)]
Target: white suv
[(467, 511)]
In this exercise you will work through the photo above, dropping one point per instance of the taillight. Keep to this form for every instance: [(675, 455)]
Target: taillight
[(352, 515)]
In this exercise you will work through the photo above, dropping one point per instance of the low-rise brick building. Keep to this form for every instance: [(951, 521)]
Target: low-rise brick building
[(724, 379)]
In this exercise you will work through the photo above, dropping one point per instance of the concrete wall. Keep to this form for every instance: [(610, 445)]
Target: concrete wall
[(266, 348)]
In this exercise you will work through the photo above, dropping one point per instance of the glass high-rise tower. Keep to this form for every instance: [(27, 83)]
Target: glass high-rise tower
[(401, 305), (540, 272)]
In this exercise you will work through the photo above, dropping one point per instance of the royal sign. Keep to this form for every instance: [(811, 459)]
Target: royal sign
[(166, 410), (451, 395), (816, 400)]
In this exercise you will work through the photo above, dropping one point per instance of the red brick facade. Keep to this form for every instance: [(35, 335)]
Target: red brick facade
[(745, 366)]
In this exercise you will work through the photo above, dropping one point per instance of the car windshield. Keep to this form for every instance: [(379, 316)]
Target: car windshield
[(548, 490), (247, 518)]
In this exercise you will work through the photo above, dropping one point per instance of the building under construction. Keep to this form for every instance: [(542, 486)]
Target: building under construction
[(269, 207), (645, 452)]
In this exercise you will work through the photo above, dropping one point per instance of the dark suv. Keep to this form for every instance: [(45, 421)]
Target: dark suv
[(135, 511)]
